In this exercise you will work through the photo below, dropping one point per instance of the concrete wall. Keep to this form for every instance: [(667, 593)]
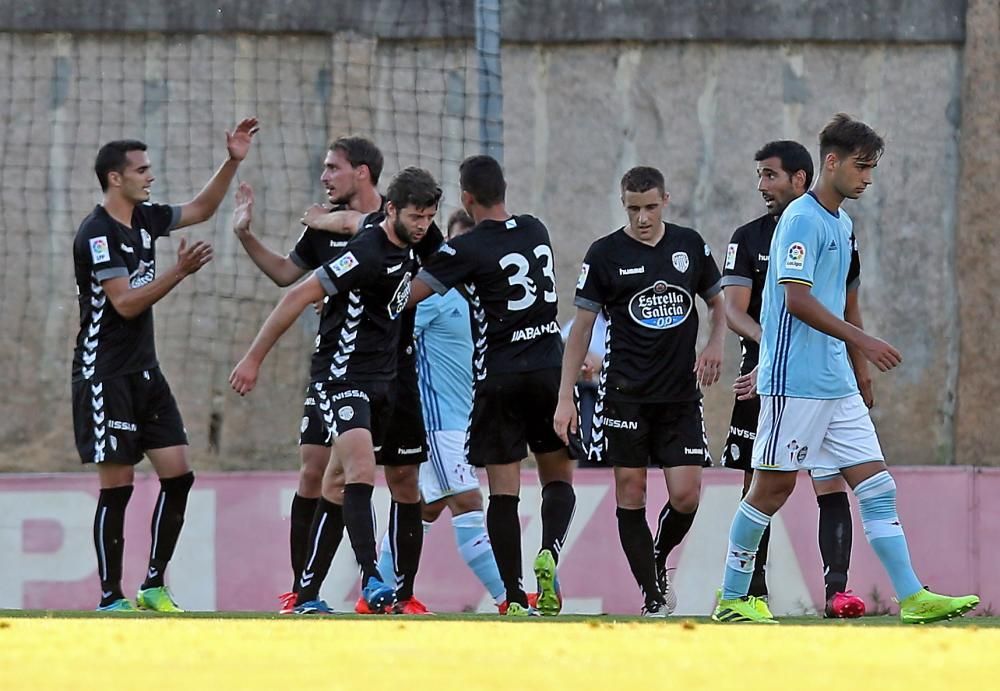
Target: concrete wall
[(576, 116)]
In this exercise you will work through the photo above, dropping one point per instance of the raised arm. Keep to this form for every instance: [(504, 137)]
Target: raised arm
[(131, 302), (206, 202), (279, 268), (342, 222), (244, 376), (577, 344)]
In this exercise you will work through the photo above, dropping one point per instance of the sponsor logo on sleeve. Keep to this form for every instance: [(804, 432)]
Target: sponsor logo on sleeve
[(344, 263), (584, 272), (447, 249), (708, 250), (731, 255), (796, 257), (99, 249)]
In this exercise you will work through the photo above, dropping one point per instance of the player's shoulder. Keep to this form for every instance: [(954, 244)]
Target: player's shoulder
[(685, 236), (97, 222), (752, 230)]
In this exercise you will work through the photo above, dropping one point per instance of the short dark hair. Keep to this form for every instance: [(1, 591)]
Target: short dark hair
[(794, 157), (113, 157), (459, 217), (361, 152), (413, 187), (482, 177), (643, 179), (846, 136)]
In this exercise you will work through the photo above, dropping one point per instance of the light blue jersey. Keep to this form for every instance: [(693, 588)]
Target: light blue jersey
[(444, 361), (810, 246)]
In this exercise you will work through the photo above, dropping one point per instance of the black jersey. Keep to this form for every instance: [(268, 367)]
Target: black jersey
[(508, 273), (108, 345), (746, 265), (368, 285), (315, 247), (428, 245), (647, 295)]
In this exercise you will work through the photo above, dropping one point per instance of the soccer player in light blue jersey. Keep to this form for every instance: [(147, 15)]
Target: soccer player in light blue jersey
[(444, 367), (812, 416)]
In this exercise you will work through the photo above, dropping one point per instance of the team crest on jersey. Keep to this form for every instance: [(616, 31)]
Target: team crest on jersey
[(398, 302), (346, 413), (344, 263), (796, 258), (681, 262), (731, 255), (147, 241), (584, 272), (144, 273), (661, 306), (99, 249)]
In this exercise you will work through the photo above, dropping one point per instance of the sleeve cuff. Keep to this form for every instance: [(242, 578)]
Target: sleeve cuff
[(734, 280), (298, 261), (434, 284), (803, 281), (712, 292), (589, 305), (175, 217), (853, 285), (112, 272), (324, 280)]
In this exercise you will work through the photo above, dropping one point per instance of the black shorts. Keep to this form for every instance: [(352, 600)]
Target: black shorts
[(406, 438), (333, 408), (118, 419), (512, 413), (742, 431), (635, 435)]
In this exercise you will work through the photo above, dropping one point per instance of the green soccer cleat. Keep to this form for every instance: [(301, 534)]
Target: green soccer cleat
[(120, 605), (515, 609), (924, 607), (548, 603), (760, 604), (157, 600), (744, 609)]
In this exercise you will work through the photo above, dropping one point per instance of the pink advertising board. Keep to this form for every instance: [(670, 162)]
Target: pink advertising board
[(233, 554)]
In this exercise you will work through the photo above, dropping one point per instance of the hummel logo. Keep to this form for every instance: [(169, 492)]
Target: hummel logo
[(126, 248), (152, 573), (105, 594), (629, 272), (395, 268)]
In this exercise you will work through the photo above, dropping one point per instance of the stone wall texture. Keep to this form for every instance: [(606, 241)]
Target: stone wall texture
[(578, 111)]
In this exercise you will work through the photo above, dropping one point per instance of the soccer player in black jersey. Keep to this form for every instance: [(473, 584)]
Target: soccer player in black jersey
[(506, 268), (351, 172), (644, 277), (785, 171), (122, 404), (368, 285)]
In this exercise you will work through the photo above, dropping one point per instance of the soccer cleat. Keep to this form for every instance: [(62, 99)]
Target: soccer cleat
[(378, 595), (845, 605), (549, 599), (287, 601), (656, 609), (157, 600), (516, 609), (411, 606), (122, 604), (532, 600), (666, 589), (313, 607), (760, 604), (361, 607), (924, 607), (742, 609)]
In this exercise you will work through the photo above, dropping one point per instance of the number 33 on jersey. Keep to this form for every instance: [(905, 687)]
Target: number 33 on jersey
[(508, 273)]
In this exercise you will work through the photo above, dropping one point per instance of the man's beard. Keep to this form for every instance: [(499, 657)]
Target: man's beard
[(402, 232)]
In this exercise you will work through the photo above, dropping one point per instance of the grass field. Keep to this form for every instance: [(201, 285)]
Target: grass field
[(82, 650)]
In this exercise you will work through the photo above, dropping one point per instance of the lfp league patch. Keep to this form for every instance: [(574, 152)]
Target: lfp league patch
[(796, 257), (584, 272), (99, 250), (344, 263), (731, 256)]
